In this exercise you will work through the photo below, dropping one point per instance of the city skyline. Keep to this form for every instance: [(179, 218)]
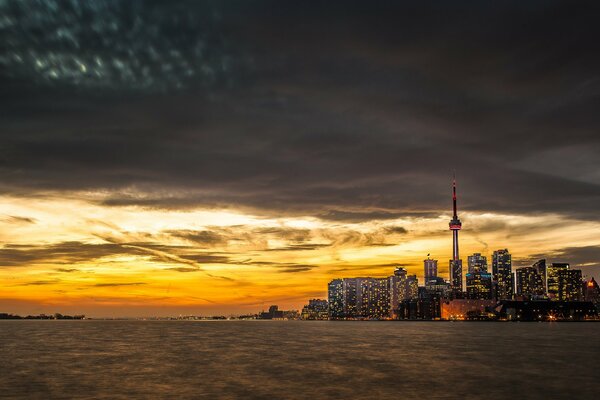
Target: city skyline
[(214, 158)]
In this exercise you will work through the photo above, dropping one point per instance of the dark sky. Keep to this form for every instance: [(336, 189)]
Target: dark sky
[(346, 110)]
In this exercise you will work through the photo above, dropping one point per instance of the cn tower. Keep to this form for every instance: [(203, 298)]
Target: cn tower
[(456, 262)]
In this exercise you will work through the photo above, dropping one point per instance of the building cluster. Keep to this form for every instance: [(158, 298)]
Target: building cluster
[(541, 291)]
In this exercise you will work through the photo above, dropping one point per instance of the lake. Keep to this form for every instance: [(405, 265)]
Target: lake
[(298, 360)]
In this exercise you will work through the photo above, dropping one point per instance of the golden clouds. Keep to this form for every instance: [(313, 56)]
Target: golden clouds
[(72, 251)]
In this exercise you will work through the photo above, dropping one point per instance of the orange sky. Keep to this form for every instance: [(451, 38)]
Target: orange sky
[(68, 254)]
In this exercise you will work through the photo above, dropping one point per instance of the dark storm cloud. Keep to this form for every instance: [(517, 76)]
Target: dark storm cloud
[(335, 109)]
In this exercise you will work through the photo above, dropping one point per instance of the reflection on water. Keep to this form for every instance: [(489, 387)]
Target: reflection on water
[(298, 360)]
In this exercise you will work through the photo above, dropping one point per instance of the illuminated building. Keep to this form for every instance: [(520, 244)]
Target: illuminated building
[(477, 262), (412, 287), (502, 273), (552, 279), (316, 309), (540, 267), (358, 298), (335, 296), (397, 285), (529, 283), (456, 275), (570, 285), (591, 291), (375, 298), (438, 286), (430, 267), (479, 285), (351, 295), (564, 283), (461, 309)]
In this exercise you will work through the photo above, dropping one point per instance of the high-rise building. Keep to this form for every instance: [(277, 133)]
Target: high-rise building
[(412, 287), (430, 267), (438, 286), (529, 283), (456, 275), (335, 296), (479, 285), (397, 285), (477, 262), (352, 297), (375, 298), (359, 298), (570, 285), (502, 274), (540, 266), (591, 291), (552, 280)]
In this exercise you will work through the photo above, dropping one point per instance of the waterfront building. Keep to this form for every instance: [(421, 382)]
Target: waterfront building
[(477, 262), (564, 283), (375, 298), (544, 310), (552, 273), (529, 283), (540, 266), (316, 309), (479, 285), (591, 291), (397, 285), (352, 297), (456, 275), (570, 285), (412, 287), (430, 269), (438, 286), (335, 297), (460, 309), (502, 274), (273, 313)]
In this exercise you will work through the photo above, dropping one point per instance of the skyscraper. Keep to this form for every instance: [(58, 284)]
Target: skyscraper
[(570, 285), (430, 269), (477, 262), (335, 297), (529, 283), (479, 285), (456, 263), (397, 284), (502, 273), (540, 266), (552, 283)]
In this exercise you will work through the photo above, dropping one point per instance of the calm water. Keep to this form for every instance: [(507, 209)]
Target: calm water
[(298, 360)]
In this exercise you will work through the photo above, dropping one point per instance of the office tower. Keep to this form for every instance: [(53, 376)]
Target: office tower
[(375, 298), (352, 297), (479, 285), (552, 280), (477, 262), (570, 285), (529, 283), (412, 287), (502, 274), (438, 286), (335, 297), (397, 284), (540, 266), (430, 267), (591, 291), (456, 274)]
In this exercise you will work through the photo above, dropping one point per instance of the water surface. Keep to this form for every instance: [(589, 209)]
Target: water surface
[(298, 360)]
